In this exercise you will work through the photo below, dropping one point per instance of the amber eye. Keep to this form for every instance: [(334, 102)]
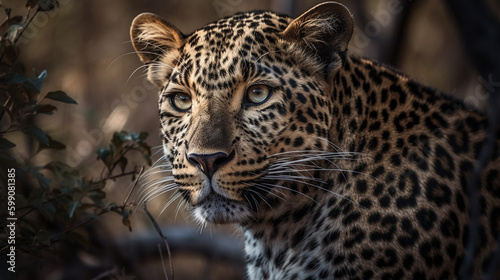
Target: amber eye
[(258, 94), (180, 101)]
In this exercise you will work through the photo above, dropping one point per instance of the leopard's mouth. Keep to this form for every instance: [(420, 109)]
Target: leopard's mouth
[(213, 204), (228, 195), (215, 208)]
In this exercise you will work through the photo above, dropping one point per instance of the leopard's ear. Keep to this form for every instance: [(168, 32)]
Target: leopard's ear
[(324, 30), (157, 43)]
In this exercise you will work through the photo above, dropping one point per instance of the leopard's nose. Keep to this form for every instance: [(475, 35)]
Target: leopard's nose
[(209, 163)]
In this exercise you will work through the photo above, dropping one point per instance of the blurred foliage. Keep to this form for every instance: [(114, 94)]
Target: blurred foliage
[(53, 201)]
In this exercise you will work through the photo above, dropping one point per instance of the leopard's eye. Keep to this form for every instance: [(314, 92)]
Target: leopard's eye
[(180, 101), (258, 94)]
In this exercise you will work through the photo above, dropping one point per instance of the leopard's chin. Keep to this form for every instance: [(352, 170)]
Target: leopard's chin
[(217, 209)]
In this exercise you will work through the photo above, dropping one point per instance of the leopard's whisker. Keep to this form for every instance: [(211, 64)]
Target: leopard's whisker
[(156, 193), (121, 56), (260, 195), (181, 204), (271, 185), (267, 190), (170, 201)]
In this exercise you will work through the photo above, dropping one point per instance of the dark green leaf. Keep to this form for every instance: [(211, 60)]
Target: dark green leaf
[(74, 205), (123, 163), (88, 185), (42, 180), (28, 84), (36, 133), (38, 82), (53, 144), (45, 109), (78, 237), (6, 144), (56, 145), (97, 196), (47, 5), (106, 155), (143, 136), (14, 30), (118, 139), (21, 201), (47, 210), (67, 176), (102, 154), (31, 3), (43, 237), (60, 96), (11, 53), (126, 222)]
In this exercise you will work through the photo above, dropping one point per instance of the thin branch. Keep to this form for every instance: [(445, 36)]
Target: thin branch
[(158, 230), (162, 262), (27, 24), (114, 177), (134, 185), (101, 212)]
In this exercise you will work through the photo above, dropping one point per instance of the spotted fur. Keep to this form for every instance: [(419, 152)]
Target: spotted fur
[(347, 170)]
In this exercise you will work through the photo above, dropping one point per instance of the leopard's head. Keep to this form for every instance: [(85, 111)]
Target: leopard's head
[(240, 99)]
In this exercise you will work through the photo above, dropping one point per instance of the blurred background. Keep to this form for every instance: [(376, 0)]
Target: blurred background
[(86, 50)]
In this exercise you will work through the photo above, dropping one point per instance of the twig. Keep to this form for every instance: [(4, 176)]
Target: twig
[(162, 262), (134, 185), (105, 210), (31, 208), (115, 176), (158, 230), (27, 24)]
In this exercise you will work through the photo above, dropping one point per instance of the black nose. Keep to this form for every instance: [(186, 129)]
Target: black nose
[(209, 163)]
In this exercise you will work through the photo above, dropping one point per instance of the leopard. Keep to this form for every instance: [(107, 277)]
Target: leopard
[(332, 165)]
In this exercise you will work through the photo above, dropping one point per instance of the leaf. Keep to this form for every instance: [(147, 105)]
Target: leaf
[(81, 239), (43, 237), (143, 136), (123, 163), (14, 31), (37, 133), (126, 222), (60, 96), (11, 53), (106, 156), (118, 139), (40, 109), (38, 82), (89, 185), (31, 3), (10, 20), (45, 109), (48, 210), (47, 5), (53, 144), (97, 196), (102, 154), (6, 144), (66, 175), (30, 85), (42, 180), (56, 145), (74, 205)]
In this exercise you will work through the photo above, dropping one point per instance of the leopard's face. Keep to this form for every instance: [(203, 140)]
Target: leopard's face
[(236, 101)]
